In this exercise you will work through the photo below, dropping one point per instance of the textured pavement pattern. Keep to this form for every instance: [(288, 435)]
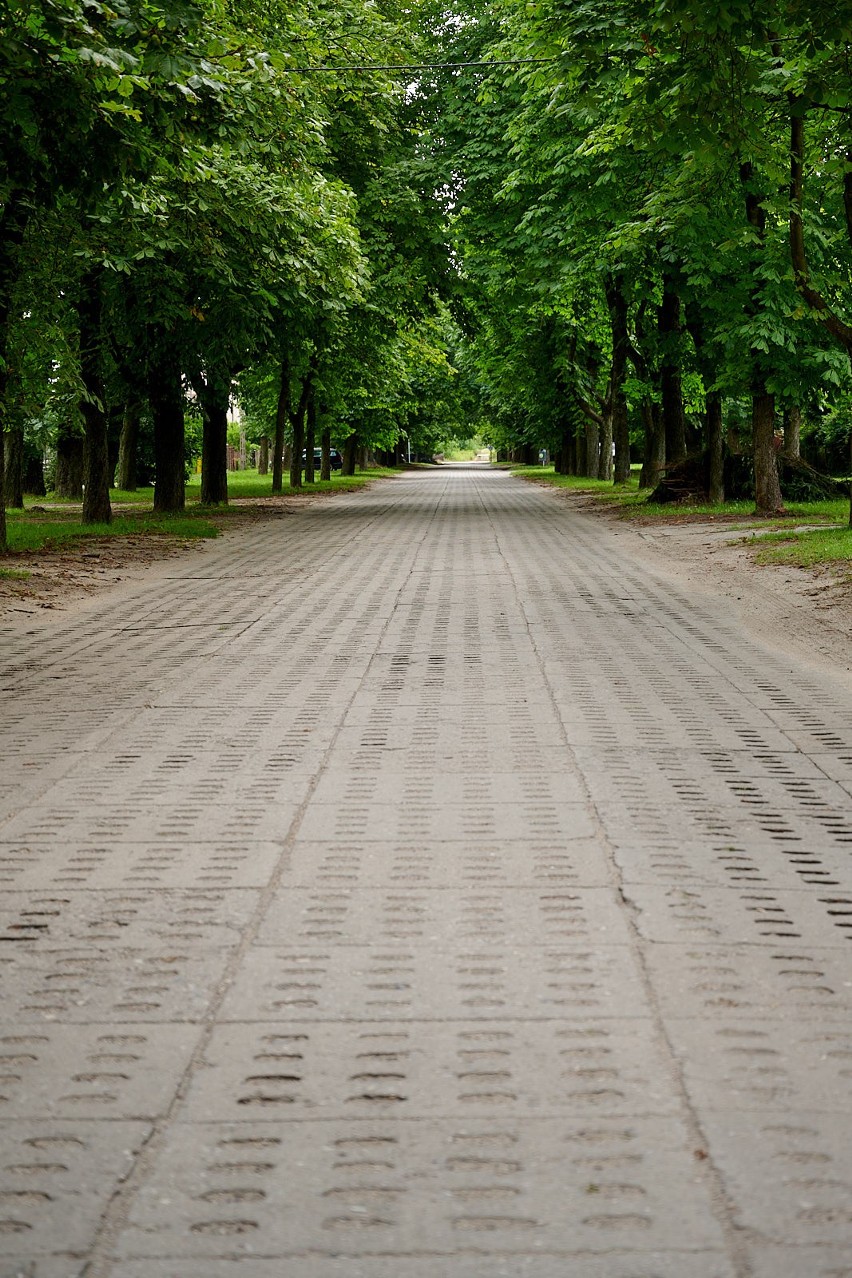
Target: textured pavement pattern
[(413, 886)]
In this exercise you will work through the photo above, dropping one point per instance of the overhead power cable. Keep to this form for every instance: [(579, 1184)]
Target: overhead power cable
[(419, 66)]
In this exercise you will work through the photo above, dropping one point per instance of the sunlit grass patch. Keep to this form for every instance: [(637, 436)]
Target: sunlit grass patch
[(806, 549)]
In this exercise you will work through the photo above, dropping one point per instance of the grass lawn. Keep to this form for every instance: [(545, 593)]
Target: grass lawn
[(832, 544), (57, 521)]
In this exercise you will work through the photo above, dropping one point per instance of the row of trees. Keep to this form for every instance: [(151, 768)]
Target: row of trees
[(185, 211), (634, 229), (656, 228)]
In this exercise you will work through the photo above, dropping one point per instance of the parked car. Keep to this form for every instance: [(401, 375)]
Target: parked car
[(334, 456)]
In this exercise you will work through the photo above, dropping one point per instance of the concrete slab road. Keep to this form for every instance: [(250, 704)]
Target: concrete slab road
[(421, 886)]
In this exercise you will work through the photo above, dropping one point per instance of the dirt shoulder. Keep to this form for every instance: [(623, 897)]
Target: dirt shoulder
[(803, 612), (61, 579)]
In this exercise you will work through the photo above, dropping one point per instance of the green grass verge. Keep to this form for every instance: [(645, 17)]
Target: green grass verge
[(27, 533), (56, 521), (807, 549), (248, 483), (634, 502), (14, 574)]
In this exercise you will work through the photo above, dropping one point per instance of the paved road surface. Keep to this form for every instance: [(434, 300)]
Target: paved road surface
[(410, 887)]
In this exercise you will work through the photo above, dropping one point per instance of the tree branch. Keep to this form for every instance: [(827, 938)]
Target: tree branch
[(798, 253)]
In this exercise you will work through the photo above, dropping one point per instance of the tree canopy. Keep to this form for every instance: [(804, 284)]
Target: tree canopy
[(619, 230)]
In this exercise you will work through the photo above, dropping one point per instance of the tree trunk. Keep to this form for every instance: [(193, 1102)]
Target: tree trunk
[(325, 444), (34, 473), (350, 454), (654, 462), (671, 391), (214, 396), (14, 467), (126, 475), (282, 413), (617, 304), (715, 449), (4, 542), (792, 430), (605, 453), (69, 465), (296, 463), (362, 457), (310, 438), (167, 410), (263, 459), (593, 448), (96, 467), (767, 489), (13, 224)]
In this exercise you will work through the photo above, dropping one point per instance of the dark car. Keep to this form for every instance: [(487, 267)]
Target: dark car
[(334, 457)]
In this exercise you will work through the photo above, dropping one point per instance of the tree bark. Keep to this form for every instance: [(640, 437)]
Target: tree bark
[(214, 396), (654, 461), (792, 430), (34, 473), (126, 473), (617, 304), (310, 438), (298, 445), (325, 465), (715, 449), (605, 450), (13, 224), (263, 458), (282, 414), (671, 391), (14, 467), (96, 467), (767, 489), (593, 448), (167, 409), (350, 454), (69, 465)]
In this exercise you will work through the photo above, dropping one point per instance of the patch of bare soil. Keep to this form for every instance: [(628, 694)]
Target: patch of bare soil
[(805, 613), (60, 578)]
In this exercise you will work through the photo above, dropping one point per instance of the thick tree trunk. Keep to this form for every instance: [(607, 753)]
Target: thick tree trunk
[(167, 410), (14, 467), (310, 439), (715, 449), (350, 454), (671, 391), (593, 448), (69, 465), (96, 467), (34, 473), (296, 463), (605, 452), (325, 465), (793, 430), (282, 414), (263, 458), (214, 396), (13, 224), (126, 474), (654, 462), (617, 304), (214, 455), (767, 489)]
